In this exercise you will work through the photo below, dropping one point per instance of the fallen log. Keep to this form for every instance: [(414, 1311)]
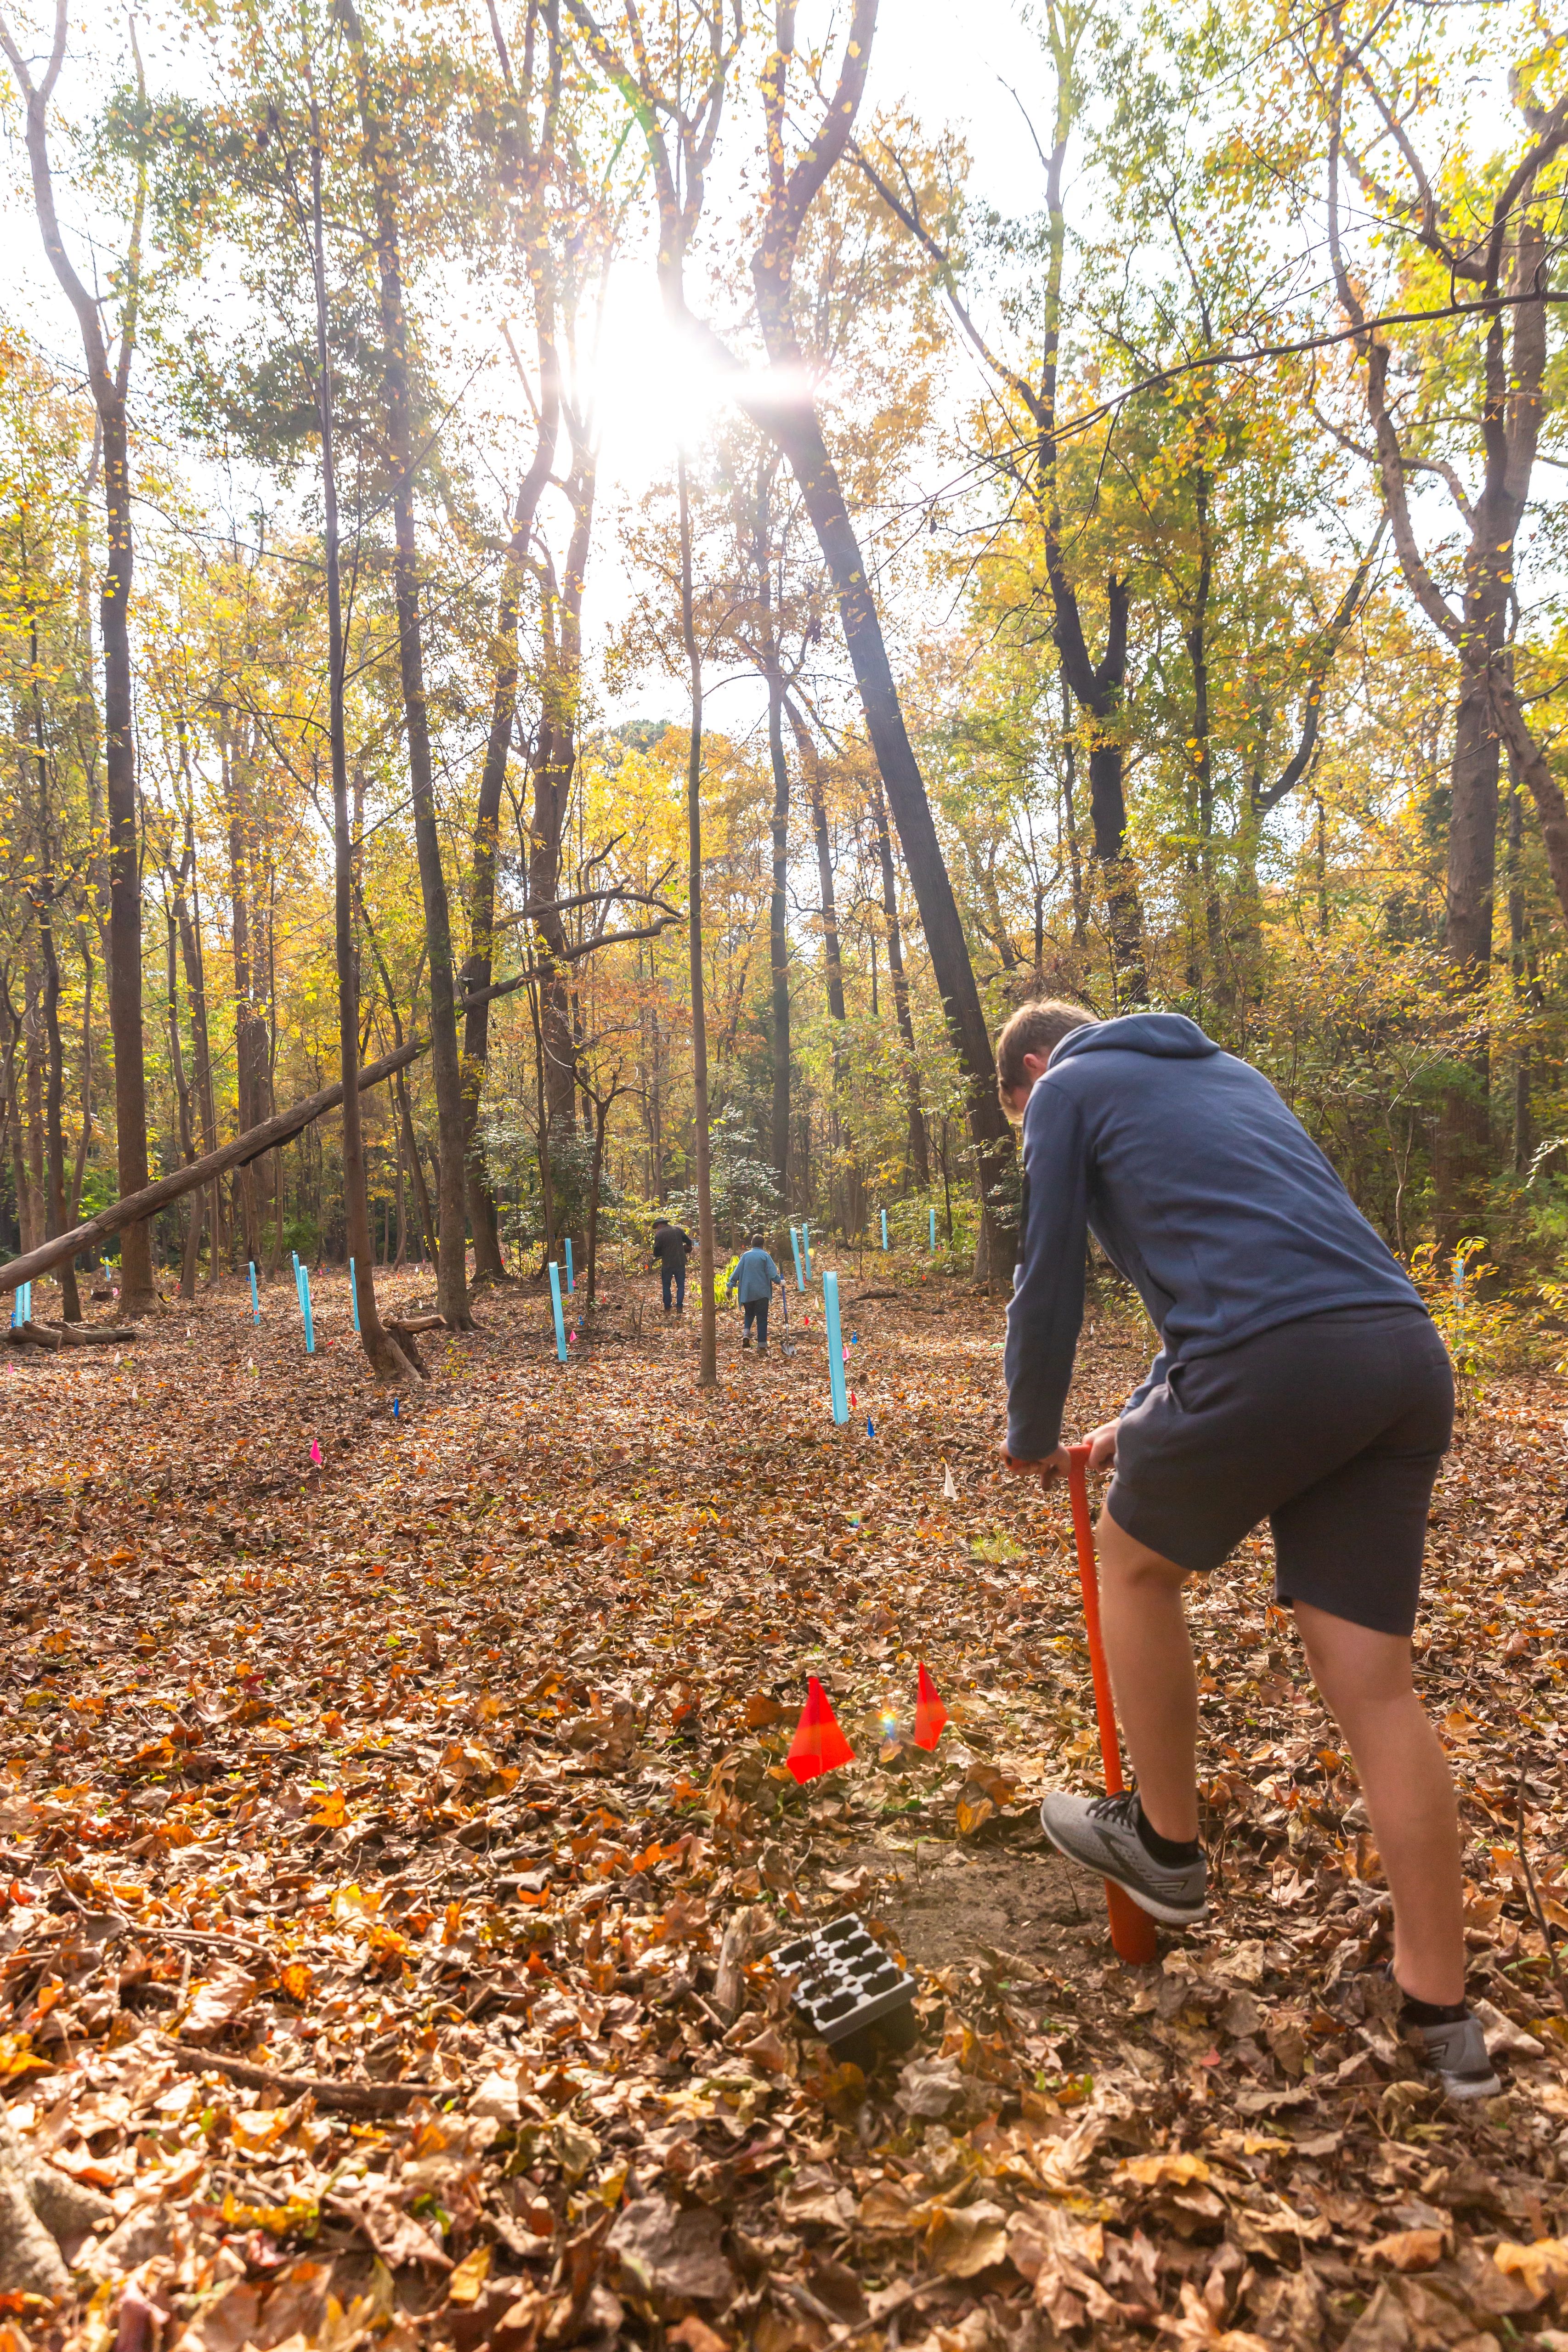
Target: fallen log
[(32, 1335), (408, 1324), (69, 1335)]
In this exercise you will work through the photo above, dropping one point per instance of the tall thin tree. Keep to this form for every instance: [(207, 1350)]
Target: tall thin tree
[(708, 1371), (380, 170), (386, 1358), (110, 384)]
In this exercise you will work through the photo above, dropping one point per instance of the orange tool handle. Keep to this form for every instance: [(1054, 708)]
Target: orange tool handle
[(1088, 1581), (1131, 1930)]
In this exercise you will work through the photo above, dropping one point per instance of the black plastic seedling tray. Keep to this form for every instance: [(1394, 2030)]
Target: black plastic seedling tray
[(849, 1990)]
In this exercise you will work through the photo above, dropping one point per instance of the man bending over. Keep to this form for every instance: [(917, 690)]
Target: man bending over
[(1298, 1380)]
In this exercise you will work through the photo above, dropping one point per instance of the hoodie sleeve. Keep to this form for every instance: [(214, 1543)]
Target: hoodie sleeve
[(1150, 1380), (1046, 1309)]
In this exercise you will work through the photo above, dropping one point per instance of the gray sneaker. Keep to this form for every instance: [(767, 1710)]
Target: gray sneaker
[(1101, 1834), (1456, 2056)]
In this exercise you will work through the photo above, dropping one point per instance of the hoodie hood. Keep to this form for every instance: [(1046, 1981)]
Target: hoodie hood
[(1169, 1036)]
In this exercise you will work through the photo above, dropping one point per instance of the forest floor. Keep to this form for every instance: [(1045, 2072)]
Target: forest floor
[(371, 1829)]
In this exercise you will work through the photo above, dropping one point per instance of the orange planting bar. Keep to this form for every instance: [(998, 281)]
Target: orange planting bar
[(1131, 1930)]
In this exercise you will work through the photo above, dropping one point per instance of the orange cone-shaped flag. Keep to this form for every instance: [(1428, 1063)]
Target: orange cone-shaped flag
[(818, 1745), (931, 1716)]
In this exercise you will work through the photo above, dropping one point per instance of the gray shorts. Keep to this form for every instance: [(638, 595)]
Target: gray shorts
[(1331, 1428)]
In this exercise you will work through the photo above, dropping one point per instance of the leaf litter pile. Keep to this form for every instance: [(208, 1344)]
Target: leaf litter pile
[(393, 1849)]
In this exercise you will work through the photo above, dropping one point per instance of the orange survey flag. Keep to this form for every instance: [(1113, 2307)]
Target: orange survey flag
[(931, 1716), (818, 1745)]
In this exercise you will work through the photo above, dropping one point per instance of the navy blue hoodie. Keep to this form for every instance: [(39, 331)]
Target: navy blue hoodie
[(1198, 1183)]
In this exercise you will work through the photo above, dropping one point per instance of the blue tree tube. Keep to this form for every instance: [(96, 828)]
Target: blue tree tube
[(254, 1295), (794, 1245), (571, 1283), (834, 1347), (805, 1246), (932, 1226), (556, 1304), (353, 1292), (305, 1309), (884, 1228)]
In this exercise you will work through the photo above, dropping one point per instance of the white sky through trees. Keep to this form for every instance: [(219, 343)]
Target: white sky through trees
[(652, 389)]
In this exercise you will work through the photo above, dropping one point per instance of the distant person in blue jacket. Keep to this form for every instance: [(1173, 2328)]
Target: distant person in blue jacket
[(1300, 1379), (753, 1276)]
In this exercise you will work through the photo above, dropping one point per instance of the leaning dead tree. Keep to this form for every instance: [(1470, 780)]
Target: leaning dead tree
[(136, 1208)]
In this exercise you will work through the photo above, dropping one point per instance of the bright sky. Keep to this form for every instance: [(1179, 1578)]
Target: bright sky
[(655, 389), (652, 389)]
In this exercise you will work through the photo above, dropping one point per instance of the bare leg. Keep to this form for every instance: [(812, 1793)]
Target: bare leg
[(1365, 1681), (1151, 1661)]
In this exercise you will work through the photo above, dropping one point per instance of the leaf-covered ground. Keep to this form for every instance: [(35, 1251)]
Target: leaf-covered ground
[(392, 1849)]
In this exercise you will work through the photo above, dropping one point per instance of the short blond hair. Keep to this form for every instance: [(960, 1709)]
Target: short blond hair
[(1036, 1028)]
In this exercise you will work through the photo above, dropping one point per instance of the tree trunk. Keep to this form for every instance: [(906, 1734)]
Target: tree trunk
[(832, 961), (920, 1165), (556, 768), (778, 940), (430, 1241), (1462, 1154), (1097, 687), (799, 434), (601, 1119), (55, 1218), (708, 1370), (84, 1140), (542, 1114), (487, 1264), (189, 923), (784, 410), (248, 1047), (188, 1148), (137, 1296), (25, 1236), (36, 1220), (402, 1226), (109, 387), (833, 965), (452, 1283), (383, 1355)]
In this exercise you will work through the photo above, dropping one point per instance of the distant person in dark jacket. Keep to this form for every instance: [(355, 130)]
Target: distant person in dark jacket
[(671, 1248), (1300, 1379), (754, 1276)]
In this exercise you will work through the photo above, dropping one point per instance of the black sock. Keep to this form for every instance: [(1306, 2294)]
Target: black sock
[(1433, 2012), (1171, 1852)]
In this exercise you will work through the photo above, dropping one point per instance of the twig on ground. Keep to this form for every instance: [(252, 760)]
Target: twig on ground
[(354, 2098), (1535, 1903), (154, 1930)]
